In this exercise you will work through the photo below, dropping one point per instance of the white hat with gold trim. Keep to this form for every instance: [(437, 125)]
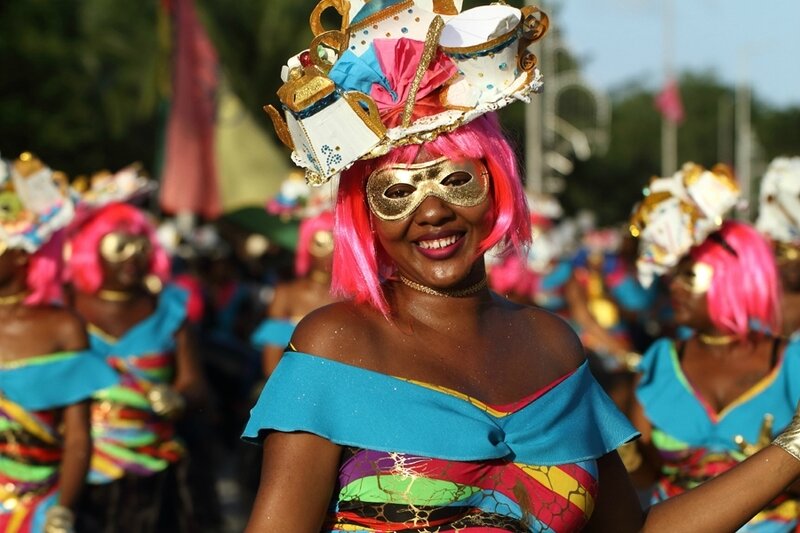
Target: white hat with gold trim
[(679, 212), (399, 72), (779, 201), (35, 202)]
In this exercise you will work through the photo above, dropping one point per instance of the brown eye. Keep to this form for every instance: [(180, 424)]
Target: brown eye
[(456, 179), (399, 190)]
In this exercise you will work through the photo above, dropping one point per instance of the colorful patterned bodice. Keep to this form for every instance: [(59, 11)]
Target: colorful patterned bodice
[(384, 491), (696, 443), (128, 436), (31, 445), (439, 460)]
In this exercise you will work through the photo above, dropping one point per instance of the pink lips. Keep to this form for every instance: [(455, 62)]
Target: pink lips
[(441, 252)]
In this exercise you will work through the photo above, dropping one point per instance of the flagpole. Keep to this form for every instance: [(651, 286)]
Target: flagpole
[(669, 128), (534, 152), (744, 141)]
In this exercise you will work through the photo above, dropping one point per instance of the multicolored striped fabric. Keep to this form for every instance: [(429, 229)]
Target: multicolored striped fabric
[(439, 460), (128, 436), (696, 443), (31, 446), (384, 491)]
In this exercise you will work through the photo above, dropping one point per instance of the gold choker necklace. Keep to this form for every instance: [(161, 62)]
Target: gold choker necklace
[(716, 340), (472, 289), (320, 276), (13, 299), (110, 295)]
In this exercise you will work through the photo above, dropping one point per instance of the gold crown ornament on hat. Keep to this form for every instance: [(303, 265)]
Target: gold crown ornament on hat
[(34, 203), (679, 212), (399, 72)]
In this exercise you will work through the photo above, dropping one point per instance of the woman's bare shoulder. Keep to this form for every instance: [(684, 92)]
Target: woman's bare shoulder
[(65, 330), (341, 331), (550, 334)]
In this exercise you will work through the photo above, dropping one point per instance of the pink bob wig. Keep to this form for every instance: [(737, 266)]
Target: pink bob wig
[(44, 272), (360, 265), (308, 227), (744, 294), (83, 268)]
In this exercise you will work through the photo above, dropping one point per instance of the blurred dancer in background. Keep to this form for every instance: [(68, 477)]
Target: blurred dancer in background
[(46, 374), (311, 287), (602, 296), (540, 277), (779, 220), (116, 270), (708, 402)]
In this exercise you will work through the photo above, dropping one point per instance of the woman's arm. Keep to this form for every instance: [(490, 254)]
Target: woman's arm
[(77, 441), (640, 457), (298, 476), (596, 338), (189, 379), (278, 309), (724, 503), (617, 506), (729, 500), (77, 453)]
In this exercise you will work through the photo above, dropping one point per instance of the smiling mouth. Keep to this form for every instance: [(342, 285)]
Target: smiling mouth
[(442, 247), (438, 244)]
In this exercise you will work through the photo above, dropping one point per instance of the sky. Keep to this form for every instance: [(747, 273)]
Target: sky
[(619, 41)]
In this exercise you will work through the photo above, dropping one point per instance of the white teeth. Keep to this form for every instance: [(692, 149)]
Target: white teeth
[(438, 243)]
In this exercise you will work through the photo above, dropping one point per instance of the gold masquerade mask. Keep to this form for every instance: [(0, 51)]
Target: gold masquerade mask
[(394, 192), (116, 247), (321, 244), (696, 280)]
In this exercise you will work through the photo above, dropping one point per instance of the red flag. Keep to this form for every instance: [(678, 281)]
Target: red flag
[(189, 175), (669, 103)]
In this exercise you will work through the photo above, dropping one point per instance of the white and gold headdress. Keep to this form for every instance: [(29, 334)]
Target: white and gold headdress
[(679, 212), (34, 203), (779, 201), (401, 72)]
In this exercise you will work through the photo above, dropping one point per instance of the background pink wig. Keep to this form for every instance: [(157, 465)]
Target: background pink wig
[(359, 264), (44, 272), (744, 295), (83, 266), (512, 275), (308, 227)]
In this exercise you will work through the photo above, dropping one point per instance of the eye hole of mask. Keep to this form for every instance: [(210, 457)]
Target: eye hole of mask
[(399, 190), (457, 179), (402, 190)]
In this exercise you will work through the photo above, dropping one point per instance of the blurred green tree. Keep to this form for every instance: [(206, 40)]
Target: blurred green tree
[(80, 82)]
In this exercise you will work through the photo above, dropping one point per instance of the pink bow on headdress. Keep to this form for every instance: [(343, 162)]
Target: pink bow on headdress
[(399, 59)]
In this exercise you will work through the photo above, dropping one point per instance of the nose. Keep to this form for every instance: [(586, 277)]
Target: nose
[(433, 211)]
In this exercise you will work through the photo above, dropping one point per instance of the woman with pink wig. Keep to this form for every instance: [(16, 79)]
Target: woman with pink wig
[(116, 271), (708, 402), (47, 375), (296, 298), (425, 402)]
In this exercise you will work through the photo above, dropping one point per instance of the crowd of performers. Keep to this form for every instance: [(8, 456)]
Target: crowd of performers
[(420, 366), (115, 418)]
